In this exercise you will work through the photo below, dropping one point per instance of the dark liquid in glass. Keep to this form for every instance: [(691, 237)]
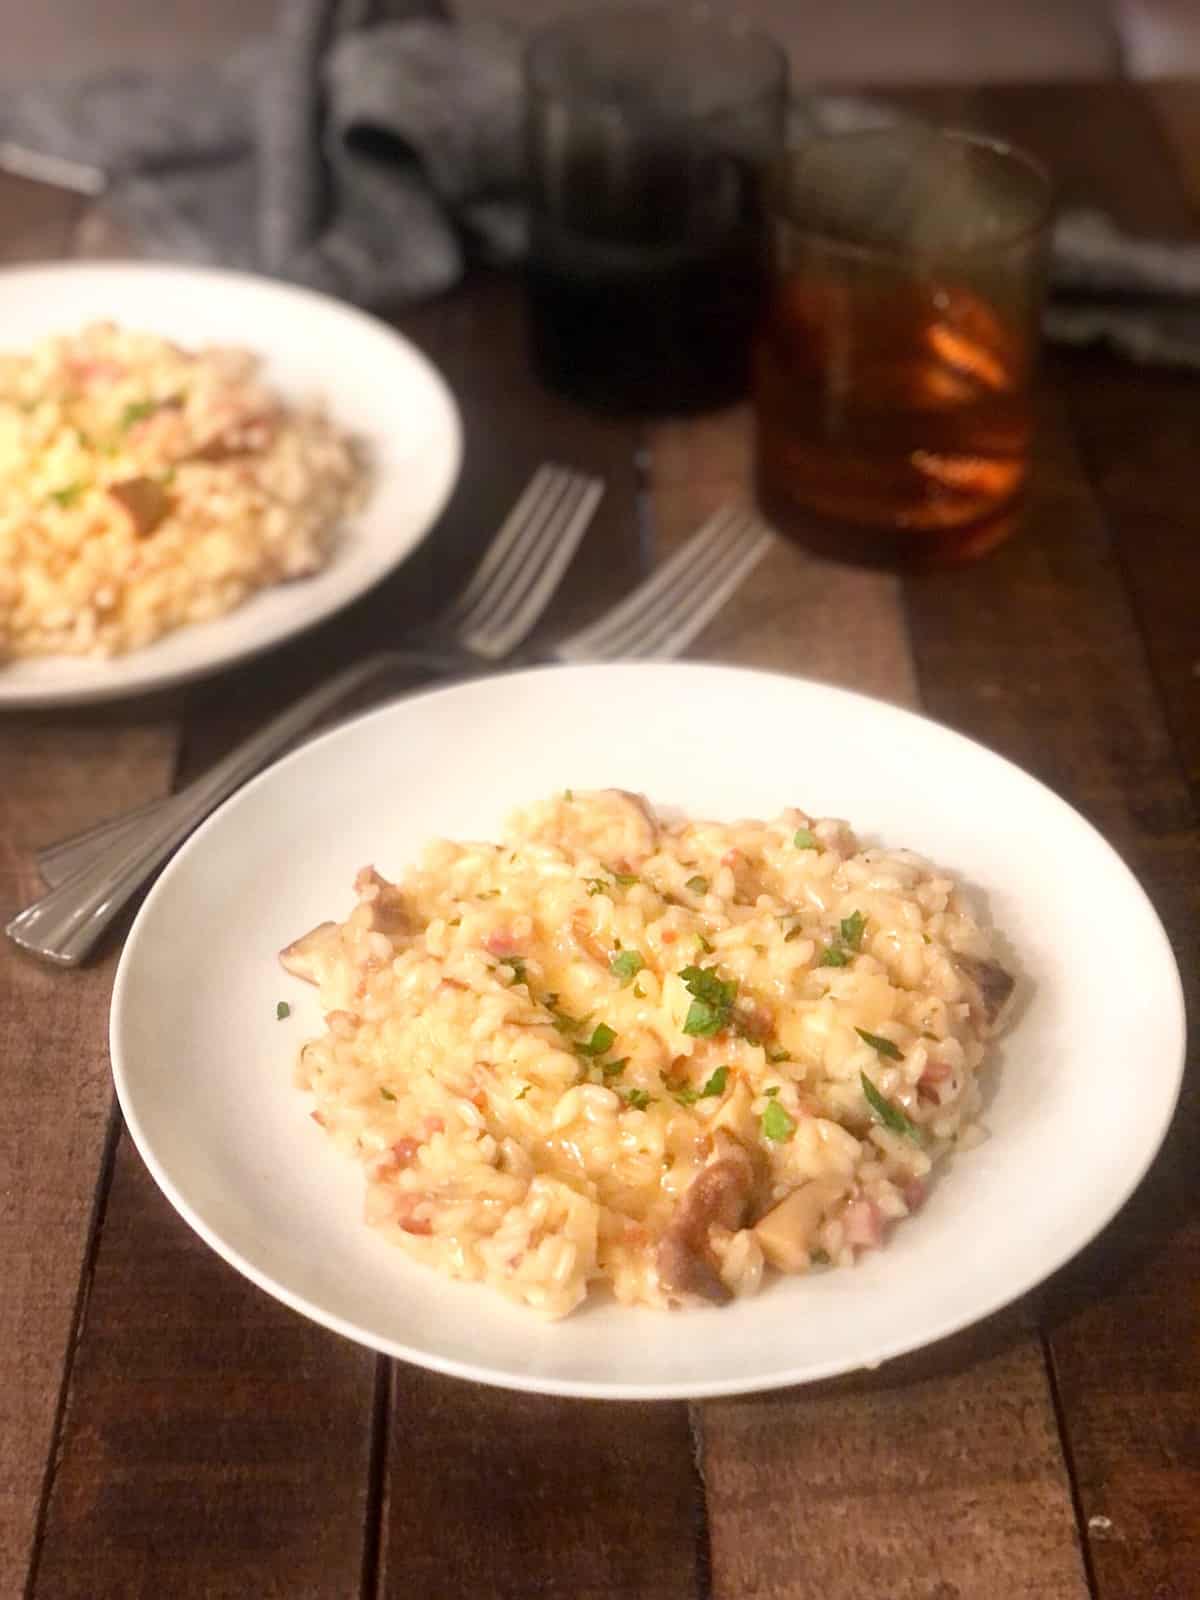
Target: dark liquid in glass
[(645, 285)]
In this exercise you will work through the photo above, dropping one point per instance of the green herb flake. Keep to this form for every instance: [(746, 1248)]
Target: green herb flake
[(704, 944), (67, 495), (775, 1056), (282, 1010), (852, 930), (885, 1047), (772, 1091), (625, 965), (524, 1091), (697, 885), (891, 1116), (626, 879), (794, 932), (565, 1023), (637, 1098), (518, 970), (776, 1124), (596, 886), (386, 1094), (137, 411), (614, 1069), (599, 1043), (716, 1084), (805, 839), (833, 956), (712, 1001), (686, 1096)]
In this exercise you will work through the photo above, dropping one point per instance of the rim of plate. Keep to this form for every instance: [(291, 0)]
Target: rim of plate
[(32, 696), (762, 1382)]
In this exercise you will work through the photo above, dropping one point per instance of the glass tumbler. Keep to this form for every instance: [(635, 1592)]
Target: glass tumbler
[(893, 365), (648, 136)]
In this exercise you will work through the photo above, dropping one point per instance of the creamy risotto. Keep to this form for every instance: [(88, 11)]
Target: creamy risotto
[(666, 1057), (143, 487)]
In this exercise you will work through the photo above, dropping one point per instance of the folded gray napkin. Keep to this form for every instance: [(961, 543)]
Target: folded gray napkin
[(369, 148)]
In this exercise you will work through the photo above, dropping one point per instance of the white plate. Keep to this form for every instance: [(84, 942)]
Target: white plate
[(1084, 1086), (373, 382)]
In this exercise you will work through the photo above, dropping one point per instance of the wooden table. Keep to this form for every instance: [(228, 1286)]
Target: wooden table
[(168, 1430)]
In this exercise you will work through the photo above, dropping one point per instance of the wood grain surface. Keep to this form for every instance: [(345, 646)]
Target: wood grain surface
[(166, 1429)]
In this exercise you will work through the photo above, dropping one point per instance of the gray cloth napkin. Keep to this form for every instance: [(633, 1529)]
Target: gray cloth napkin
[(368, 148)]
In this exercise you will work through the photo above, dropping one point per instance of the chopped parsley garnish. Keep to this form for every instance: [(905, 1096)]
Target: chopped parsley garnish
[(704, 944), (637, 1098), (884, 1046), (282, 1010), (833, 956), (565, 1023), (891, 1116), (614, 1069), (67, 495), (776, 1124), (387, 1094), (805, 839), (714, 1086), (626, 879), (626, 965), (697, 885), (711, 1004), (138, 411), (852, 930), (518, 967), (774, 1056), (599, 1043), (596, 885), (772, 1091)]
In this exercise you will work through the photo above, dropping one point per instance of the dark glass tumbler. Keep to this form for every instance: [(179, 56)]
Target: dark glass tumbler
[(649, 133)]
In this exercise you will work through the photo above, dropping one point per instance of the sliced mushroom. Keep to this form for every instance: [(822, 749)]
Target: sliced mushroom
[(304, 958), (382, 907), (785, 1233), (995, 986), (719, 1194), (249, 437), (143, 500)]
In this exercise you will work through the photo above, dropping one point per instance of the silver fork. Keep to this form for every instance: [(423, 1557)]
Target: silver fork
[(657, 621)]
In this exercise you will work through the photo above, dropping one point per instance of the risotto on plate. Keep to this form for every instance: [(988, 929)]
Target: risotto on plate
[(143, 487), (666, 1057)]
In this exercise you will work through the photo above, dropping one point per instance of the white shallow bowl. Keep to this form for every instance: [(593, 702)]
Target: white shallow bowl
[(1078, 1101), (372, 381)]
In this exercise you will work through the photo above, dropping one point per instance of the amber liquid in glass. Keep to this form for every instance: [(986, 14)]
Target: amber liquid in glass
[(893, 419)]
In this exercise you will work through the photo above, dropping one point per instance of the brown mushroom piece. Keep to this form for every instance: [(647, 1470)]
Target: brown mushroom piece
[(143, 500), (303, 957), (249, 437), (718, 1194), (387, 911), (994, 984)]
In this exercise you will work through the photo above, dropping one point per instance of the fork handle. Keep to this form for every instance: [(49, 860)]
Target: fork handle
[(65, 924)]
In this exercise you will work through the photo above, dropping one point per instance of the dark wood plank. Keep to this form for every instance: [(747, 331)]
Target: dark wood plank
[(940, 1475), (510, 1495), (57, 773), (1037, 652), (215, 1443), (803, 1488)]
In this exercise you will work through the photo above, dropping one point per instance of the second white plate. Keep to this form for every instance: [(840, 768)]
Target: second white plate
[(1077, 1101), (374, 383)]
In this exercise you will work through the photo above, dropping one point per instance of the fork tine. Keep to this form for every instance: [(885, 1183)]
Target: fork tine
[(548, 552), (603, 637), (692, 614), (546, 481), (679, 590)]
